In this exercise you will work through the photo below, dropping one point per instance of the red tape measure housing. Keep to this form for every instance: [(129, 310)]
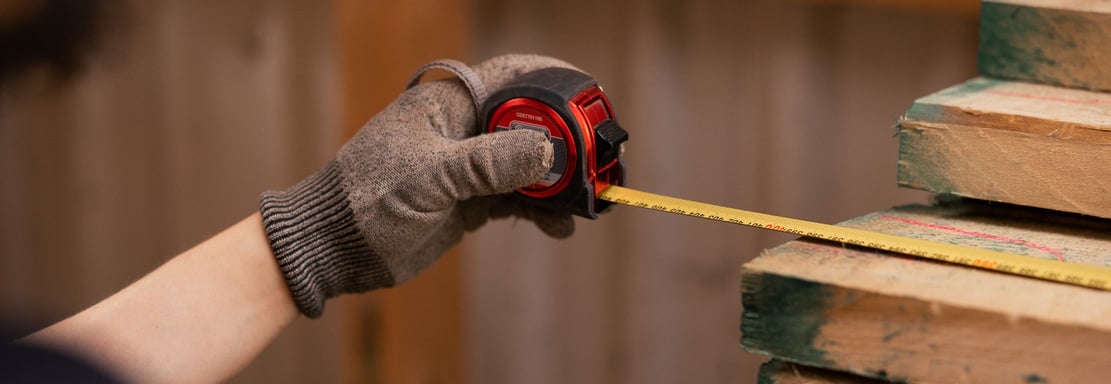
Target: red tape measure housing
[(570, 108), (525, 113)]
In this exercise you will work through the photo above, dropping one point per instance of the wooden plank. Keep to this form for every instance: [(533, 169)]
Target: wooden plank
[(891, 317), (1012, 142), (777, 371), (1062, 42)]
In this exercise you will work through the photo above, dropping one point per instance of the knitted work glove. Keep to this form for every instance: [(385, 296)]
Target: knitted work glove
[(405, 188)]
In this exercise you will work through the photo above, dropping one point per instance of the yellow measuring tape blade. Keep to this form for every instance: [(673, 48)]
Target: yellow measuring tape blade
[(1076, 274)]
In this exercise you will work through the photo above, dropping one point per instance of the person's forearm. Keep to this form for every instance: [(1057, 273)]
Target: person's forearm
[(201, 317)]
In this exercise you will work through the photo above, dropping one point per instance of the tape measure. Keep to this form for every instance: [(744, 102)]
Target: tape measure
[(1076, 274), (588, 174), (570, 108)]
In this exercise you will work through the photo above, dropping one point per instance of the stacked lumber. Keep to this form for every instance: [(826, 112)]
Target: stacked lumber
[(1020, 159), (1004, 138), (1010, 141), (894, 317), (1059, 42)]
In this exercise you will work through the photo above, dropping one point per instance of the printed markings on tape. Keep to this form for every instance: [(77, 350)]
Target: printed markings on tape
[(1053, 270)]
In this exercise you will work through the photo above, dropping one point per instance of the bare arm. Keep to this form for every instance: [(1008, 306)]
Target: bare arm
[(201, 317)]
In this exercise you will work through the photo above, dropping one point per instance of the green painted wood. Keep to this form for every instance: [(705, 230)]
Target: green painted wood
[(896, 318), (1013, 142), (1061, 42)]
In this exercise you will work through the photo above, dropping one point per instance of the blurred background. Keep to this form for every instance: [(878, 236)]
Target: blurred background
[(182, 112)]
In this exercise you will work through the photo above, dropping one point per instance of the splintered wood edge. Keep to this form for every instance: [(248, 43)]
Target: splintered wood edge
[(1036, 109)]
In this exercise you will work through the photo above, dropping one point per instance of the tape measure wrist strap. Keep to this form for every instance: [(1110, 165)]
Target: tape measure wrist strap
[(470, 80)]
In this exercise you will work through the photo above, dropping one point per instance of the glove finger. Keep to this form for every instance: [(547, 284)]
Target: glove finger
[(496, 163)]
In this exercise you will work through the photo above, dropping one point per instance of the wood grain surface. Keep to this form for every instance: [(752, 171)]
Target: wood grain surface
[(1061, 42), (892, 317), (1013, 142)]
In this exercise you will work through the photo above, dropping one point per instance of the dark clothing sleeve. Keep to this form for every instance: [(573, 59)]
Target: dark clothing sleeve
[(33, 364)]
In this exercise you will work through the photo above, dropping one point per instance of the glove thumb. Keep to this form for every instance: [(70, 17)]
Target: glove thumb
[(497, 163)]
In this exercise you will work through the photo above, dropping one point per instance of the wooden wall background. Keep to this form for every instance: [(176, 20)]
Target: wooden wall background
[(187, 112), (190, 109)]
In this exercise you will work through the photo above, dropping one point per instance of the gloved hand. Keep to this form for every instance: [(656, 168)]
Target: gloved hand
[(405, 188)]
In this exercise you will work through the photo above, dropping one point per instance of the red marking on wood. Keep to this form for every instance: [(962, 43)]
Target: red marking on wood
[(1092, 101), (1055, 252)]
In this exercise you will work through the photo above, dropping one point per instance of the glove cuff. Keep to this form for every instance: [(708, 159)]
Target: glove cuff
[(317, 243)]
